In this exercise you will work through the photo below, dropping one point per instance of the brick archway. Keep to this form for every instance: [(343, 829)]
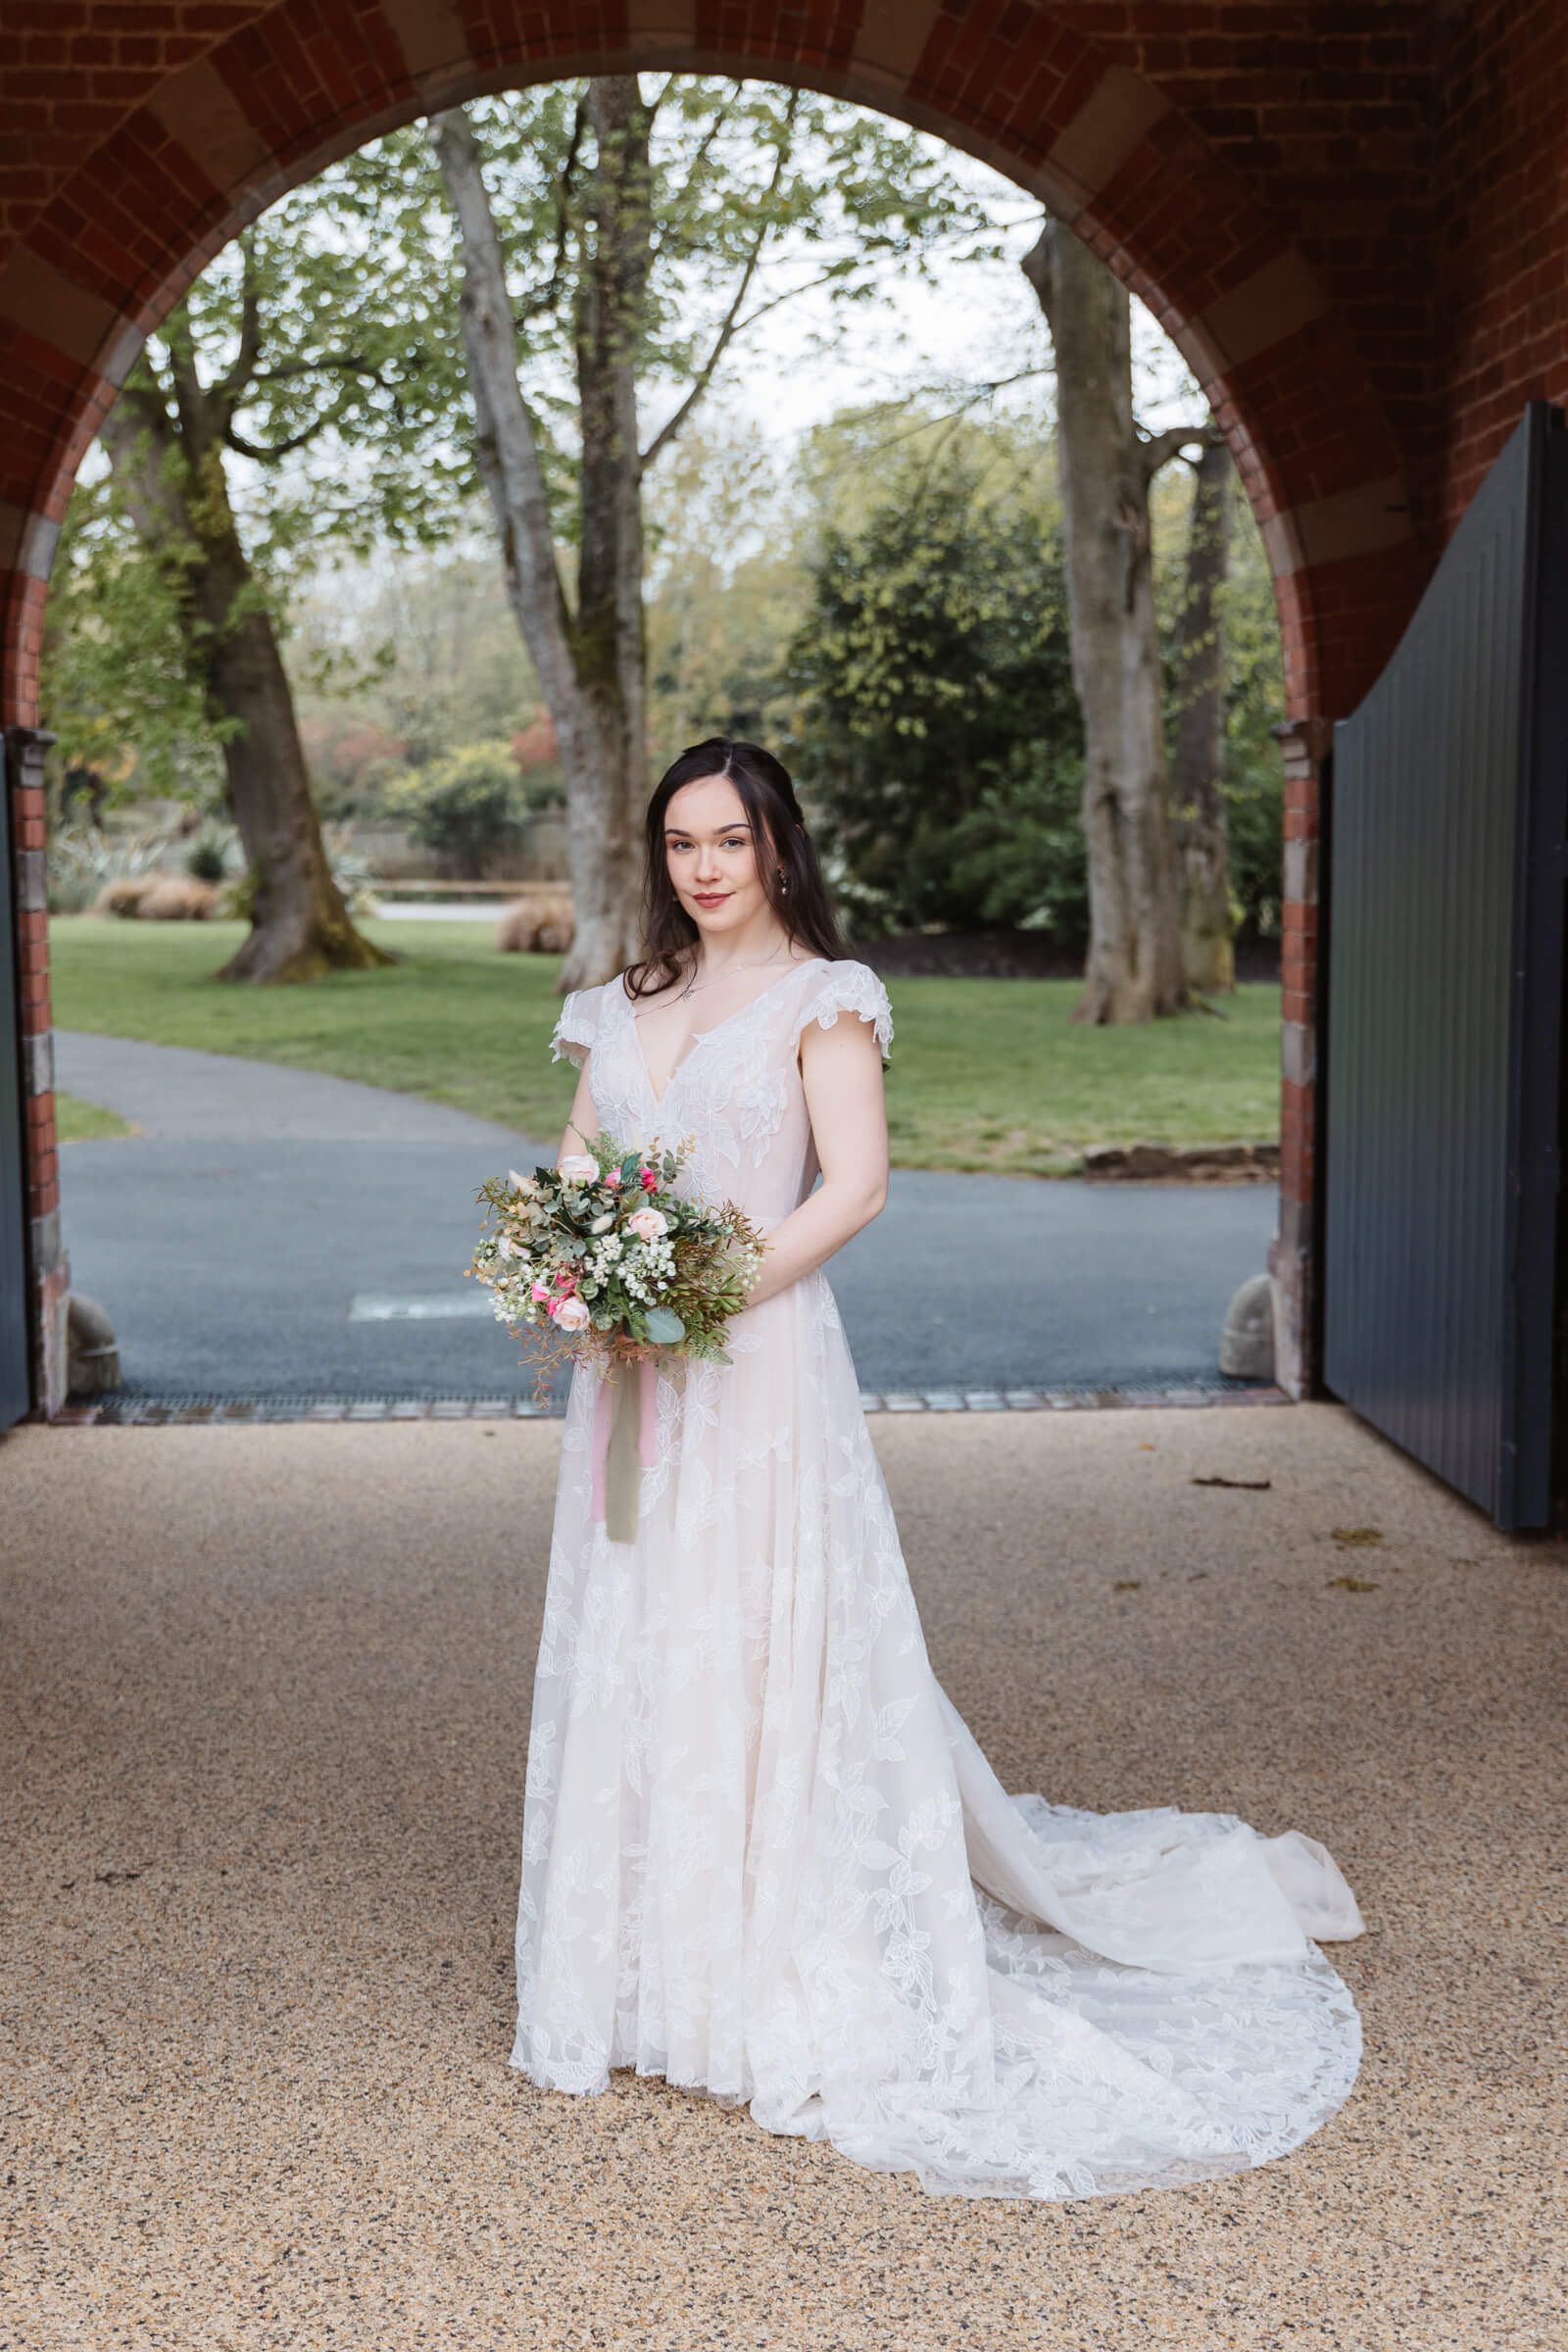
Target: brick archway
[(211, 143), (165, 140)]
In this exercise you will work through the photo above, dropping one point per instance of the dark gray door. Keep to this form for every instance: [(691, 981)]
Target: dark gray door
[(13, 1304), (1444, 1003)]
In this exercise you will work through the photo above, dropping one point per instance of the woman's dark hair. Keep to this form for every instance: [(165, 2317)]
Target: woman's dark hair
[(786, 863)]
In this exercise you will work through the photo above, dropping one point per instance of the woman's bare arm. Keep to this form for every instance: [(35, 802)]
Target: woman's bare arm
[(584, 1119), (842, 1071)]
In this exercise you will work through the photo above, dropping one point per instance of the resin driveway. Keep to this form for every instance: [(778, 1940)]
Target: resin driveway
[(275, 1232)]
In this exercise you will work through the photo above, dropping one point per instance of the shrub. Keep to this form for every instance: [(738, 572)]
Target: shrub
[(83, 862), (213, 856), (124, 893), (160, 898), (178, 899), (466, 807), (537, 927), (937, 739)]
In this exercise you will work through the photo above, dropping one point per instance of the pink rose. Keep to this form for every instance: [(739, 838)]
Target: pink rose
[(566, 1281), (577, 1167), (572, 1315), (613, 1179), (648, 1223), (540, 1290), (648, 1180)]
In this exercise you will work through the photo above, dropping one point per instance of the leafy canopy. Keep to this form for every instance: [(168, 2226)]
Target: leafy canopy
[(328, 335)]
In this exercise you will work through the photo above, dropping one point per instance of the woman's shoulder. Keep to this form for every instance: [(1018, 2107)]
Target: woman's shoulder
[(582, 1010), (841, 984)]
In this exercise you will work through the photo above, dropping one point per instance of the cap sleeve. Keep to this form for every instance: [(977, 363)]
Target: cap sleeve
[(576, 1033), (847, 988)]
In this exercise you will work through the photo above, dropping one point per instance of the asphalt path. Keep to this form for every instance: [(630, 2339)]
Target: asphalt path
[(273, 1232)]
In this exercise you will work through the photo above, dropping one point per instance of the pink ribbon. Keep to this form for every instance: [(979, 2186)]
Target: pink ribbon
[(610, 1386)]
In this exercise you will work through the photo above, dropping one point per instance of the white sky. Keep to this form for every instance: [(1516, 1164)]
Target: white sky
[(979, 321)]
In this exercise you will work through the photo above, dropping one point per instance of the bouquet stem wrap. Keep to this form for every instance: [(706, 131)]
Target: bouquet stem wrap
[(624, 1446)]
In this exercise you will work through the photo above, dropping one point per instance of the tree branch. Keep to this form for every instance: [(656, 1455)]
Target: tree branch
[(720, 115), (227, 389), (535, 303), (267, 453), (330, 363), (1039, 266), (1159, 448), (733, 323)]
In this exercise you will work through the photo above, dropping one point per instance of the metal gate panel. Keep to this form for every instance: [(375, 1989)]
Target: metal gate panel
[(1445, 993), (15, 1397)]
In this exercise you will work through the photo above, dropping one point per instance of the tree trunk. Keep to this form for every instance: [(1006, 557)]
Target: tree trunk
[(1134, 965), (591, 662), (1198, 805), (179, 504)]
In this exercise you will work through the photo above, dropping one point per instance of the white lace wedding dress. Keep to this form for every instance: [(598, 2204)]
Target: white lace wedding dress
[(764, 1857)]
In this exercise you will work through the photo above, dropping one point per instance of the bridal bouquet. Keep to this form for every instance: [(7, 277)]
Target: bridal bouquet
[(603, 1260)]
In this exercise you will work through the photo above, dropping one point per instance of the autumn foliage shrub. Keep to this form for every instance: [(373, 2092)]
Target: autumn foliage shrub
[(536, 927), (158, 898)]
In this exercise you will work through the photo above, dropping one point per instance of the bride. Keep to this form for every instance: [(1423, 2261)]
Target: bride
[(762, 1855)]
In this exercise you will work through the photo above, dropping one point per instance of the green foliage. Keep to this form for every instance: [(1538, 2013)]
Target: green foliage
[(937, 732), (82, 859), (467, 807), (116, 687), (213, 856)]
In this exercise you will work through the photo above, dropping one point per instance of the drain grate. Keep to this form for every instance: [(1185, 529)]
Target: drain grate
[(125, 1408)]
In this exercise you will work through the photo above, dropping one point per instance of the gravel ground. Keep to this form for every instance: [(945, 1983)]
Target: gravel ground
[(263, 1714)]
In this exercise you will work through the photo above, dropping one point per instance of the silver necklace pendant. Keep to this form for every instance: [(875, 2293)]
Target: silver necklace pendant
[(693, 985)]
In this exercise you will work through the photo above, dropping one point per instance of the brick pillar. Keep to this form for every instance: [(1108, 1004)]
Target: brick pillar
[(49, 1269), (1304, 745)]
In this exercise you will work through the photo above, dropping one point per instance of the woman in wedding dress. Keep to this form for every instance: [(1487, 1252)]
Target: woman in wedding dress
[(762, 1855)]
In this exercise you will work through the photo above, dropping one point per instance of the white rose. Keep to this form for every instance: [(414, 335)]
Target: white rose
[(648, 1224), (572, 1315), (577, 1167)]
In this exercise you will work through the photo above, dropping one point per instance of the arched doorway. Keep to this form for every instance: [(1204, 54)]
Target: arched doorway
[(113, 239)]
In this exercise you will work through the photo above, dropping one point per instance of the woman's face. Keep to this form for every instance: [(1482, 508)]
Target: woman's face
[(711, 855)]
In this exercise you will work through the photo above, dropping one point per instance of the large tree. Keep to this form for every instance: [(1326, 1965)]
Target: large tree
[(279, 347), (605, 267), (1134, 968), (1198, 751)]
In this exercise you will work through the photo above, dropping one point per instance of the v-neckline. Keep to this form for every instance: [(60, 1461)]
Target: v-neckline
[(700, 1036)]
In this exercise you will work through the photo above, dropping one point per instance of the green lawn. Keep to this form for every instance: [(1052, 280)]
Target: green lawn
[(78, 1122), (986, 1073)]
